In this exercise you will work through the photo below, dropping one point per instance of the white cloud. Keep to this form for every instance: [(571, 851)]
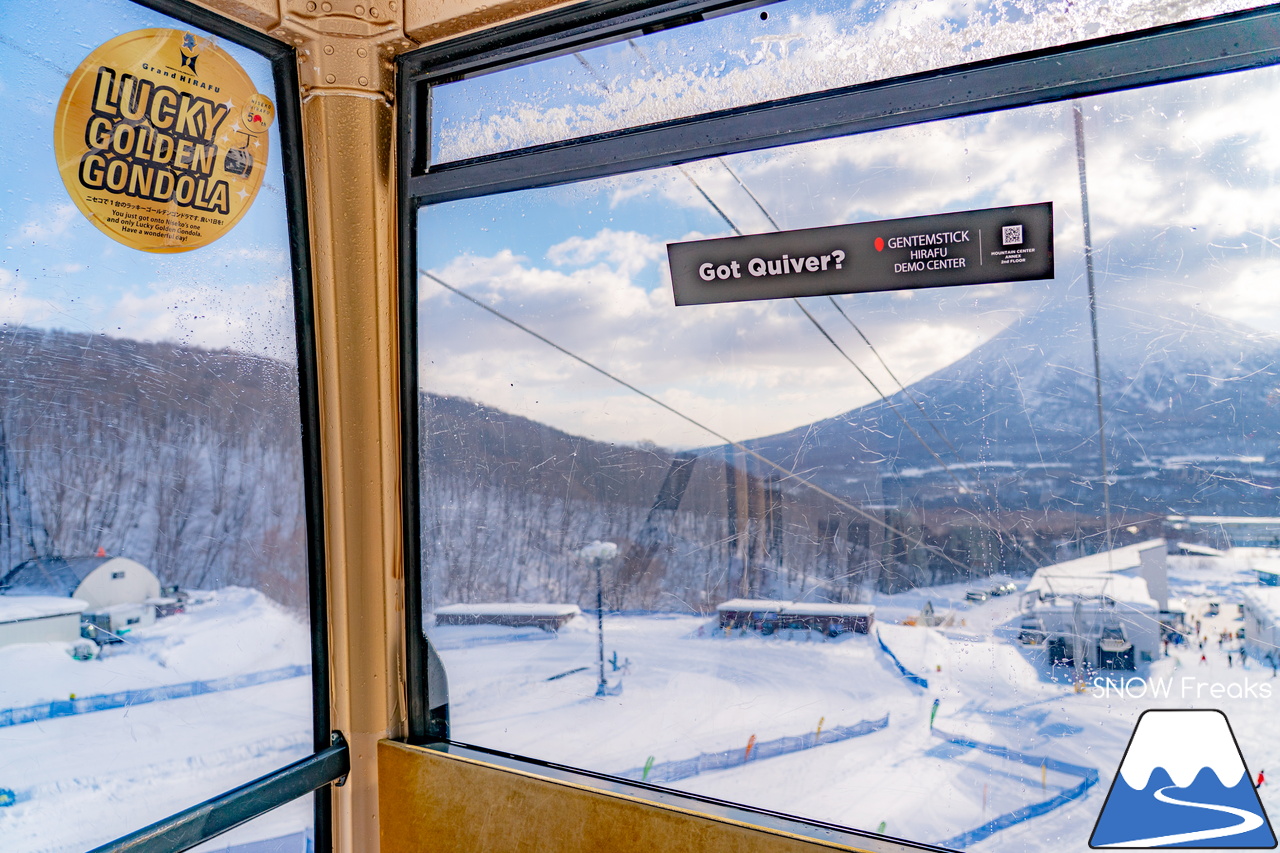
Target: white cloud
[(50, 224), (743, 369), (17, 307), (1248, 294), (626, 251), (235, 298), (1183, 197)]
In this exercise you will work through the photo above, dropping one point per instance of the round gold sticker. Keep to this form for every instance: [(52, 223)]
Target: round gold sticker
[(161, 139)]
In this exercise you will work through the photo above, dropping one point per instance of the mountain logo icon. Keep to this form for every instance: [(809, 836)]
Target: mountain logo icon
[(1183, 783)]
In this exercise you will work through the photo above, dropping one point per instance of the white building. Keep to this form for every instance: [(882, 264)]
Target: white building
[(119, 594), (1261, 608), (39, 619), (1103, 610)]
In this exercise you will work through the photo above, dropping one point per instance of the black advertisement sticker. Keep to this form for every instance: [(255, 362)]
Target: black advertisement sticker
[(948, 249)]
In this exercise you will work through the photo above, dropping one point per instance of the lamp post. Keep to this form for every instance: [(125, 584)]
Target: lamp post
[(599, 553)]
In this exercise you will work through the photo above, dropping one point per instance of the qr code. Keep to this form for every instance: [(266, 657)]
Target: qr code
[(1012, 235)]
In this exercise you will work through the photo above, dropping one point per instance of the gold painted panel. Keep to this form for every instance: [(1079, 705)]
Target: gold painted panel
[(432, 801)]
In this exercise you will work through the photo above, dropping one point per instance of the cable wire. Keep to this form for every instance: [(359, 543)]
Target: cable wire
[(818, 325), (764, 460)]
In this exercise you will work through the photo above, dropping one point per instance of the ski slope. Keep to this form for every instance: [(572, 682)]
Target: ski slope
[(690, 689), (83, 780), (687, 689)]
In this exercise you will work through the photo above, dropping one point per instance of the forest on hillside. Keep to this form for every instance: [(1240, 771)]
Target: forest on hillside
[(186, 460), (190, 461), (507, 504)]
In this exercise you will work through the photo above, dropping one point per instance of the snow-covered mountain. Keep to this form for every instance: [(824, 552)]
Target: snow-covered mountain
[(1190, 400), (1183, 743)]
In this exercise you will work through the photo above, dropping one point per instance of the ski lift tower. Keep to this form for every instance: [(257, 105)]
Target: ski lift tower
[(1079, 589)]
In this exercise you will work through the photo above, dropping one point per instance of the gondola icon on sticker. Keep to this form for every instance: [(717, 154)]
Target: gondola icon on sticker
[(1183, 782), (238, 161)]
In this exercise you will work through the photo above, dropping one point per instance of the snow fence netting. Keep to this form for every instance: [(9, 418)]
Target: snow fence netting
[(142, 695), (906, 673), (673, 771), (1088, 778)]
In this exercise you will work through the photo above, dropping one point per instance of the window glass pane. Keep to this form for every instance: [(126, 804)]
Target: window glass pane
[(964, 518), (288, 829), (150, 464), (785, 49)]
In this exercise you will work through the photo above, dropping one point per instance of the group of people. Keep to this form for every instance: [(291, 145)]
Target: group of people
[(1242, 652)]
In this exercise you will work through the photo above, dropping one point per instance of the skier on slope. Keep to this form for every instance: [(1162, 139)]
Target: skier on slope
[(1261, 779)]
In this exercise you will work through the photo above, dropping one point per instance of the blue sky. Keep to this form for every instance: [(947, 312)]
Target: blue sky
[(1183, 199), (58, 271), (1182, 182)]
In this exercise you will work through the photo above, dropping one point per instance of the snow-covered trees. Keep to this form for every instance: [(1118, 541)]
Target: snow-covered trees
[(186, 460)]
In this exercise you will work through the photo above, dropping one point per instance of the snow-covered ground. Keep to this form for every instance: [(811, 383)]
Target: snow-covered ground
[(686, 689), (689, 689), (83, 780)]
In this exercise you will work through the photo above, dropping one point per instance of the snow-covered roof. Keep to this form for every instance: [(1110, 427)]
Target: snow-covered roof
[(1116, 587), (1116, 560), (509, 609), (17, 608), (1225, 519), (1098, 575), (1265, 600), (752, 605), (1255, 553), (49, 575), (823, 608), (1199, 550), (801, 608), (1129, 591)]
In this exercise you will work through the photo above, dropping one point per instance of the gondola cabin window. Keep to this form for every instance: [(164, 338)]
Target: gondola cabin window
[(879, 545), (155, 648)]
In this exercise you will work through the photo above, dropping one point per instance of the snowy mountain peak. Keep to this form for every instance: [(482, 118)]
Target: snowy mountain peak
[(1183, 743)]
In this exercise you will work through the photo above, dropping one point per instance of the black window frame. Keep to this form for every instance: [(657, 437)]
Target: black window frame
[(1222, 44), (329, 761)]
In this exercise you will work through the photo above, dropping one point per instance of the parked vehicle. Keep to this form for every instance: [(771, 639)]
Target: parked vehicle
[(1031, 632)]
